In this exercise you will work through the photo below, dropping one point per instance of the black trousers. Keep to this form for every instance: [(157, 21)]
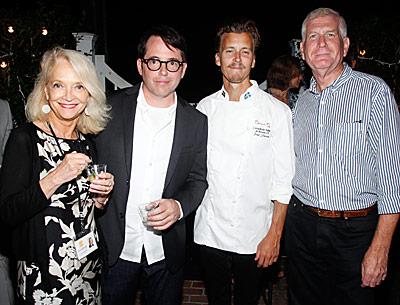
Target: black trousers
[(159, 286), (220, 268), (325, 256)]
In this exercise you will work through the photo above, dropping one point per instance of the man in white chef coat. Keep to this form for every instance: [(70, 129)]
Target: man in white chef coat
[(250, 164)]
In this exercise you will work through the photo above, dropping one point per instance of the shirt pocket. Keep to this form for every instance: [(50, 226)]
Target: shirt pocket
[(349, 146), (349, 139)]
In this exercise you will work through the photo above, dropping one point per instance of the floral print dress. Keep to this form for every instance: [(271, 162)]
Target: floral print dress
[(72, 281)]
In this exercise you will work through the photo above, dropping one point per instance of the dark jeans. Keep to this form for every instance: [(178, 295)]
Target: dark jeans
[(325, 256), (220, 267), (158, 284)]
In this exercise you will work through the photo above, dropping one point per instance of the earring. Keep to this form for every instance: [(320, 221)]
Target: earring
[(87, 112), (46, 108)]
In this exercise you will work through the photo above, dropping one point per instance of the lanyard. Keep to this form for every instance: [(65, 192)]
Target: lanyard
[(80, 204)]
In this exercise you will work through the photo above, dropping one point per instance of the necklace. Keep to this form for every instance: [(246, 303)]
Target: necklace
[(74, 134)]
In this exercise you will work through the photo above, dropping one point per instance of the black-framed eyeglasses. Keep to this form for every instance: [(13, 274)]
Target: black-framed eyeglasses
[(154, 64)]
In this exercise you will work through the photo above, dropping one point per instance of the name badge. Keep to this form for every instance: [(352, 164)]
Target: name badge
[(262, 129), (85, 245)]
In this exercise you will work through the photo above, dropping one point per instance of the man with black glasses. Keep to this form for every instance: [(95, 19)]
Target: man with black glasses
[(156, 147)]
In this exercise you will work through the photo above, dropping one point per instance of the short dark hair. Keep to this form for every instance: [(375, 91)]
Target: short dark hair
[(282, 70), (170, 36), (239, 26)]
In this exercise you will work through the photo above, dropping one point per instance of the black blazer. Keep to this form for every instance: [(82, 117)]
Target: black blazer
[(185, 180), (22, 201)]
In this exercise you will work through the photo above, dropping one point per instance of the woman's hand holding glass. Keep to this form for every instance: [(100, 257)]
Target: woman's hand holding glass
[(71, 167), (101, 185)]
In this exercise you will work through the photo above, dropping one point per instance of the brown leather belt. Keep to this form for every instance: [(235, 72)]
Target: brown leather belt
[(341, 214)]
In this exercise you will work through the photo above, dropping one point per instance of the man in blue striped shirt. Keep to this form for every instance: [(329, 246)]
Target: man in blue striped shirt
[(346, 200)]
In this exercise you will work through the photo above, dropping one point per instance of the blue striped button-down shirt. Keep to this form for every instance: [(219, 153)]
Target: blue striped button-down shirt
[(347, 145)]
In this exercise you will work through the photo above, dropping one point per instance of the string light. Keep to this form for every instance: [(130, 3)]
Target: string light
[(381, 62), (10, 29), (362, 52), (3, 65), (44, 31)]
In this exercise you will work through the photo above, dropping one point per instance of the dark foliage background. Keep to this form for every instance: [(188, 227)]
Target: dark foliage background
[(22, 49), (379, 38)]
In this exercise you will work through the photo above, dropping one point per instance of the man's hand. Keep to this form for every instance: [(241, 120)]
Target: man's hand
[(374, 267), (164, 215), (268, 249), (374, 264)]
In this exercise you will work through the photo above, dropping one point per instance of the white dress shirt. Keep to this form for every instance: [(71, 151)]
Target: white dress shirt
[(152, 144), (250, 163)]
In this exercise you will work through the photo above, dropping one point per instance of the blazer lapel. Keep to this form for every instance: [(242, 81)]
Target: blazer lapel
[(129, 112), (181, 125)]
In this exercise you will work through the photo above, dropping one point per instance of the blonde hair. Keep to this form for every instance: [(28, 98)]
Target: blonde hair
[(97, 107)]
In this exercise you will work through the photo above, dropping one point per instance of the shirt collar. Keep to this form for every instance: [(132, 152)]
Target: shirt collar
[(337, 83), (142, 104), (246, 96)]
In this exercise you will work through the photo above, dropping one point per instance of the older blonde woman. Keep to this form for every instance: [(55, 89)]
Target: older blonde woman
[(46, 198)]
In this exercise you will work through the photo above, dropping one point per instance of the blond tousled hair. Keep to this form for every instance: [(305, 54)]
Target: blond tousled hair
[(97, 108)]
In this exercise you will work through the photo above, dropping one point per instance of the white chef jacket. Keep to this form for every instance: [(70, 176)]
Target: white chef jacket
[(250, 163), (151, 151)]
